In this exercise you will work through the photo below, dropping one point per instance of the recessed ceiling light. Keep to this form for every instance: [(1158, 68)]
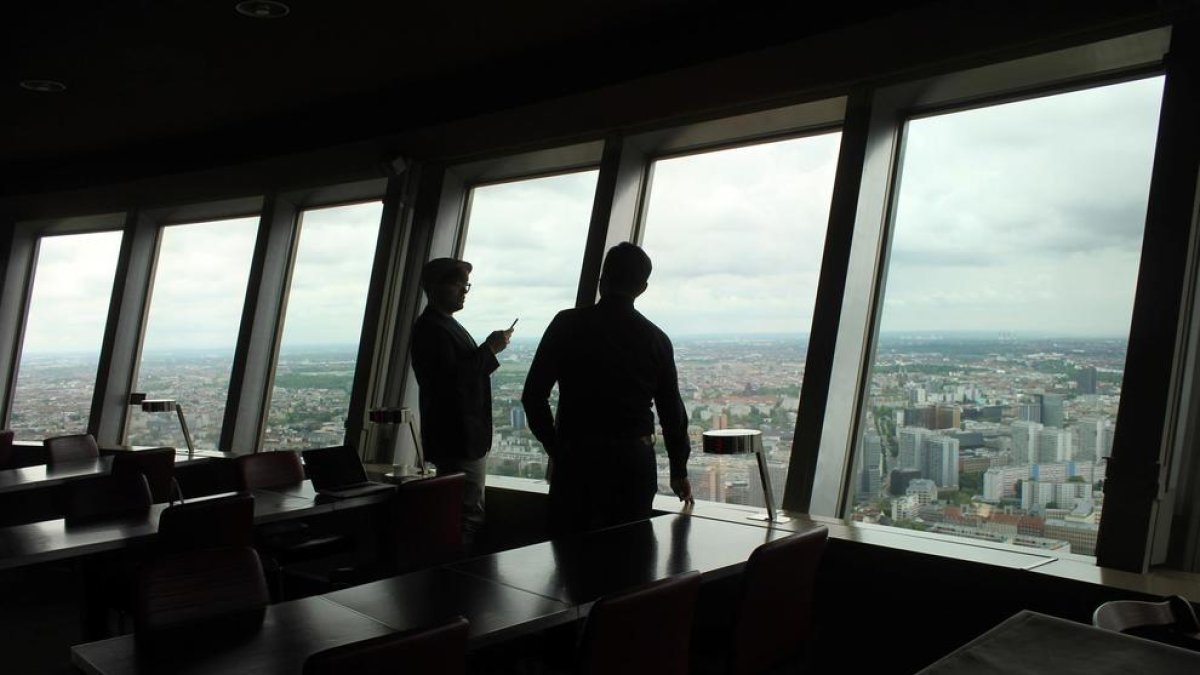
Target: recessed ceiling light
[(262, 9), (43, 86)]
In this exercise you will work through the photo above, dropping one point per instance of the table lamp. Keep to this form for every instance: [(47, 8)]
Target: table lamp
[(400, 416), (158, 405), (742, 442)]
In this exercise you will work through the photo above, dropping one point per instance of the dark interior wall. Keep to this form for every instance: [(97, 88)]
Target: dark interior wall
[(459, 123)]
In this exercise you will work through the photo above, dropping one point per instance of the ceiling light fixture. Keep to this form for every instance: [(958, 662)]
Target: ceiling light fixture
[(262, 9), (43, 86)]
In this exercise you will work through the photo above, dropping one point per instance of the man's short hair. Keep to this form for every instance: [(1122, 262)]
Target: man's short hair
[(441, 270), (626, 269)]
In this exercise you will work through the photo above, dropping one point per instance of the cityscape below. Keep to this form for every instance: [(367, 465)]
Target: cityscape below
[(993, 437)]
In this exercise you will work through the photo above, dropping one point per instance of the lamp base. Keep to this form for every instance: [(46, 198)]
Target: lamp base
[(766, 517)]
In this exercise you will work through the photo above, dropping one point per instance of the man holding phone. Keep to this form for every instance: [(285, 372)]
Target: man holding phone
[(454, 376), (610, 364)]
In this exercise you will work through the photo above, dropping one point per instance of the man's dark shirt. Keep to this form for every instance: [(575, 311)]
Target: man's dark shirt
[(610, 363), (456, 390)]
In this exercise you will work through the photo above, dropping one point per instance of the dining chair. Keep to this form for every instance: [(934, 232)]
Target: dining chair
[(284, 544), (157, 465), (72, 448), (264, 470), (646, 630), (107, 498), (440, 649), (220, 522), (192, 598), (772, 613), (425, 524), (1172, 620)]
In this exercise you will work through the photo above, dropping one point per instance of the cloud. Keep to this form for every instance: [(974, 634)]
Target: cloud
[(1026, 216)]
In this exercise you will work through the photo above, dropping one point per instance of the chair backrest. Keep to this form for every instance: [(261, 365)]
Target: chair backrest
[(223, 522), (6, 445), (71, 448), (216, 593), (773, 615), (426, 523), (1173, 620), (269, 469), (156, 464), (108, 498), (439, 649), (645, 630)]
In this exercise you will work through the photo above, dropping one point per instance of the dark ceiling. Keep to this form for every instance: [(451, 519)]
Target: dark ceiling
[(169, 85)]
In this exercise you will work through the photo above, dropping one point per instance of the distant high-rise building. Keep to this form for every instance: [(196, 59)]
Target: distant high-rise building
[(869, 475), (1094, 435), (1030, 412), (1085, 380), (925, 490), (922, 416), (1001, 482), (1024, 441), (1053, 445), (948, 417), (911, 453), (1037, 494), (905, 507), (941, 460), (516, 417), (1051, 409), (899, 479)]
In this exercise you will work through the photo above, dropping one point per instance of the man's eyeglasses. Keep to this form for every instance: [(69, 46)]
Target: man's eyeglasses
[(466, 286)]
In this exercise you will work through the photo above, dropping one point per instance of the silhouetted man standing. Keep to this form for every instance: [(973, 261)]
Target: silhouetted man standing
[(454, 375), (610, 363)]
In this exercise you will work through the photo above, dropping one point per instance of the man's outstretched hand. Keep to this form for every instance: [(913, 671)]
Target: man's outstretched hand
[(683, 489), (498, 340)]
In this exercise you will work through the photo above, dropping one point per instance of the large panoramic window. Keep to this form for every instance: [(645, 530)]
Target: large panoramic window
[(525, 240), (68, 308), (319, 348), (195, 313), (736, 238), (1001, 347)]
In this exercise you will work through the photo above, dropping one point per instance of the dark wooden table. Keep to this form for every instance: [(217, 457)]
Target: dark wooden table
[(580, 569), (1029, 642), (504, 595), (44, 475), (496, 612), (290, 633), (50, 540)]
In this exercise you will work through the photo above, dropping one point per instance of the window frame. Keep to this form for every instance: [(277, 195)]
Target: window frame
[(20, 258), (888, 109), (361, 193)]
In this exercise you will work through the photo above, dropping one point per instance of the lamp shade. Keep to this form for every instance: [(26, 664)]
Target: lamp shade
[(158, 405), (732, 441)]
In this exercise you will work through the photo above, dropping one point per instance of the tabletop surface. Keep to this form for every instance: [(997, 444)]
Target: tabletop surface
[(1030, 642), (295, 630), (515, 592), (44, 475), (423, 598), (580, 569), (48, 540)]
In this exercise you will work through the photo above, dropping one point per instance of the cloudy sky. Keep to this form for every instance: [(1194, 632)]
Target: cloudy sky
[(1025, 217)]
